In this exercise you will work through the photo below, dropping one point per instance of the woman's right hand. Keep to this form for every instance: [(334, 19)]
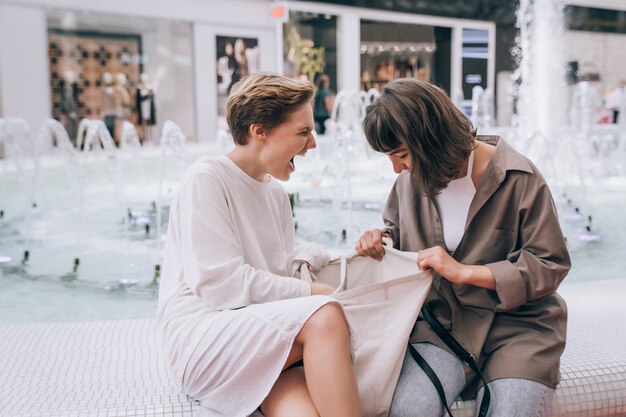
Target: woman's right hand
[(371, 244), (317, 288)]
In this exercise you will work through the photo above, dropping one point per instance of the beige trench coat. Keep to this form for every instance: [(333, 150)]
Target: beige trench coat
[(518, 330)]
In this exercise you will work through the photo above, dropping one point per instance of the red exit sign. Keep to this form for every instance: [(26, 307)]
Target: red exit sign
[(280, 12)]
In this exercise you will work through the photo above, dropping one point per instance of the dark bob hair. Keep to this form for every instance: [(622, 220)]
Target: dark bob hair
[(420, 115)]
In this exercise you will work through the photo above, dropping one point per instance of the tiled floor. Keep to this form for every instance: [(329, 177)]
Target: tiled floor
[(113, 368)]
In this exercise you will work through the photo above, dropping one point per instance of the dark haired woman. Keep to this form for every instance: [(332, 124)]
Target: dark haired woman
[(232, 322), (483, 220)]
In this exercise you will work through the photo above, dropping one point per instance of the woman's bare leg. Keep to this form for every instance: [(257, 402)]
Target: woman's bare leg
[(290, 396), (324, 345), (328, 365), (328, 369)]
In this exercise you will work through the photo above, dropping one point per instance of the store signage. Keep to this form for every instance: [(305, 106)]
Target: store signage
[(280, 12), (473, 78)]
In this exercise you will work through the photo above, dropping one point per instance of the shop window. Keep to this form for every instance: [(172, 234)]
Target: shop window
[(310, 46), (390, 51), (117, 69), (475, 54)]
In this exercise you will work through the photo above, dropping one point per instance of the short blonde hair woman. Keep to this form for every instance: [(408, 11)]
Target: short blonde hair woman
[(234, 326)]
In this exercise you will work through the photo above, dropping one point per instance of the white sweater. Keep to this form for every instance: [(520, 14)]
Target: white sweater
[(230, 243)]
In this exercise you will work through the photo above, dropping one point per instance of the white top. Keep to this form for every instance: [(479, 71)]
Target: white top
[(230, 244), (614, 100), (146, 103), (454, 203)]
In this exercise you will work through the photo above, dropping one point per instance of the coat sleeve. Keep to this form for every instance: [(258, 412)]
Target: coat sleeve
[(214, 267), (541, 260), (391, 216)]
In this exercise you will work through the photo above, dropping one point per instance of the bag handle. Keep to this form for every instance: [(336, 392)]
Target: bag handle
[(310, 277), (460, 352)]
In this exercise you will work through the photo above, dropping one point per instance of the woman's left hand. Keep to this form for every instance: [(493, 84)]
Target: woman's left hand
[(437, 259)]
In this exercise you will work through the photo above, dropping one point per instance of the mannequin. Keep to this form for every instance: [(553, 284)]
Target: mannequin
[(145, 106), (69, 104), (122, 104), (108, 102)]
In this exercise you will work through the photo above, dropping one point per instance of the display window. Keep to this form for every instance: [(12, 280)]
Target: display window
[(89, 76), (475, 54), (119, 69), (390, 51), (310, 47)]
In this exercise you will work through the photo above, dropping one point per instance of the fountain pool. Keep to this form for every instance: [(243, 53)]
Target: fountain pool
[(117, 260)]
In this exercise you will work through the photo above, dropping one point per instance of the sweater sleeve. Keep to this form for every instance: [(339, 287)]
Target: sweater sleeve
[(541, 261), (213, 264)]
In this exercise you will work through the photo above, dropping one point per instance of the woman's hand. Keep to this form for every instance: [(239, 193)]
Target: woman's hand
[(371, 244), (437, 259), (317, 288)]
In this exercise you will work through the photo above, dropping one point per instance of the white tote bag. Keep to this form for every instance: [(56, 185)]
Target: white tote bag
[(381, 301)]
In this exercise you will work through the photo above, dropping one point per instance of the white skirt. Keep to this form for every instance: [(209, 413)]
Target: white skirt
[(243, 352)]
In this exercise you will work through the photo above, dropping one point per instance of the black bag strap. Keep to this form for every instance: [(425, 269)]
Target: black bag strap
[(460, 352)]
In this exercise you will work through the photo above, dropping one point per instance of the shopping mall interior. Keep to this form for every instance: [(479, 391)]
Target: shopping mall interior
[(104, 105)]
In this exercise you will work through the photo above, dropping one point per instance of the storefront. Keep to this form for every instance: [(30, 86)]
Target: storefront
[(375, 47), (151, 62), (144, 62)]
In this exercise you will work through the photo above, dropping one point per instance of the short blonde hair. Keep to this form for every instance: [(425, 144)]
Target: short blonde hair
[(265, 98)]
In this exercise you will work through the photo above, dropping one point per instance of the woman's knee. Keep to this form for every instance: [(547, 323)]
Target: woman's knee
[(289, 396), (327, 321), (516, 397)]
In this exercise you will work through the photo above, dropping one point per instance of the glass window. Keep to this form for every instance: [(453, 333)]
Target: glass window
[(391, 50), (119, 68), (310, 46)]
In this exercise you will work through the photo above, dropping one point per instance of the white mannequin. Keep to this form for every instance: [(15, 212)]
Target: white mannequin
[(69, 76), (145, 106), (122, 98), (69, 103), (109, 100), (145, 88)]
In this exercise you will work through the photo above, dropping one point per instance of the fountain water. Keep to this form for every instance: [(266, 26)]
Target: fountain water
[(47, 236), (172, 156), (340, 184), (342, 191), (561, 150), (482, 113), (15, 138), (541, 99), (130, 137)]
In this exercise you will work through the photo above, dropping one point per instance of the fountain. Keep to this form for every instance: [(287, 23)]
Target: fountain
[(130, 138), (15, 137), (173, 163), (71, 239), (102, 210), (482, 112), (562, 149), (329, 199)]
